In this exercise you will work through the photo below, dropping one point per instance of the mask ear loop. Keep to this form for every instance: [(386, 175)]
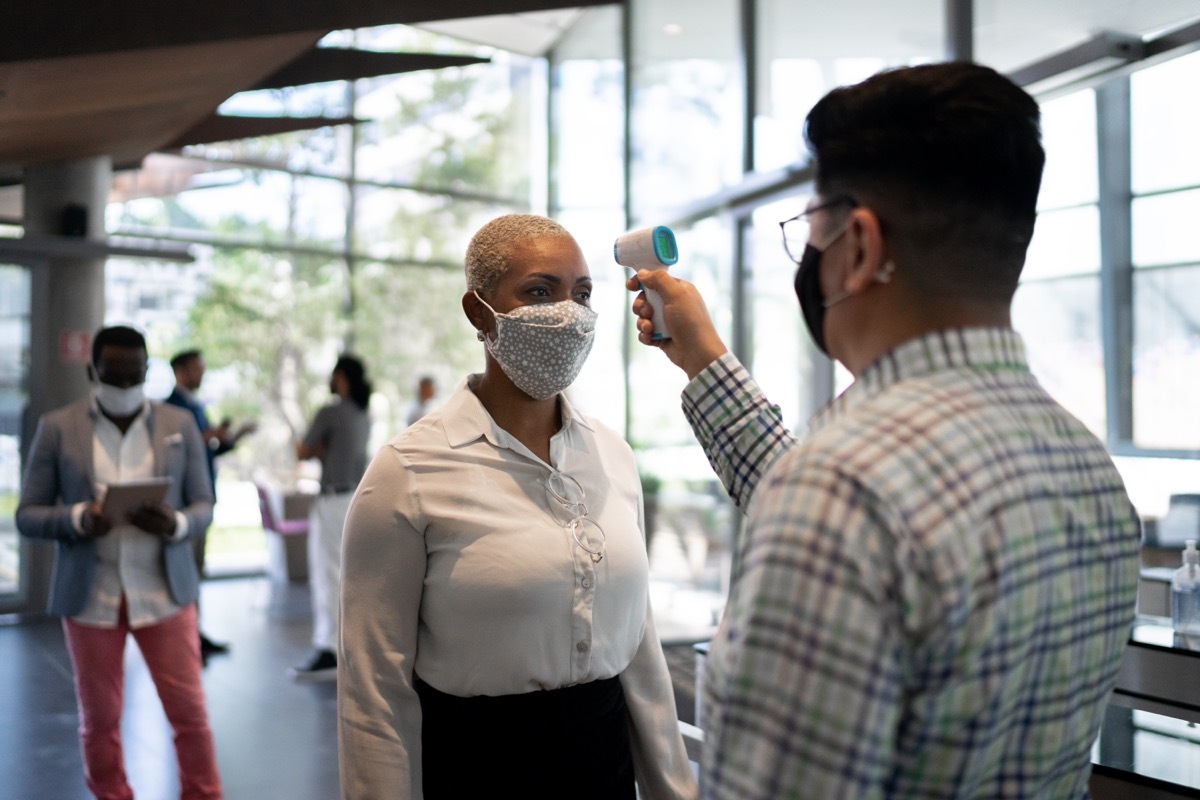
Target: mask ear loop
[(480, 335), (883, 276)]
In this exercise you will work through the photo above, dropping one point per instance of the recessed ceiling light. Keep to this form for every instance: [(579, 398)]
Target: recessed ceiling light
[(672, 29)]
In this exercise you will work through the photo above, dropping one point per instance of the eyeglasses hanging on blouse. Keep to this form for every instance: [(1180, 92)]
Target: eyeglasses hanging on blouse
[(567, 492)]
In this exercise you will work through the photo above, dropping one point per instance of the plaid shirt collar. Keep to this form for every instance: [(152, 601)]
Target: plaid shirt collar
[(983, 349)]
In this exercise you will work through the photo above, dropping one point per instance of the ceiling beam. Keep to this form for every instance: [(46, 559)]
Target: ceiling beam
[(57, 28), (322, 64), (221, 128)]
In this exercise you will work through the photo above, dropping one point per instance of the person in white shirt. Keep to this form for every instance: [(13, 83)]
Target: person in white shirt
[(496, 634), (337, 438)]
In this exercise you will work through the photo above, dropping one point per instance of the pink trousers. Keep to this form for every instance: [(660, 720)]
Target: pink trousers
[(171, 650)]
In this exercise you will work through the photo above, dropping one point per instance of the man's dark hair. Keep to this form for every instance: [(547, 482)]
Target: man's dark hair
[(355, 372), (116, 336), (949, 157), (180, 359)]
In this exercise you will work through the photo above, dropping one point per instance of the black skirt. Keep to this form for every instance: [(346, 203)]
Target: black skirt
[(564, 743)]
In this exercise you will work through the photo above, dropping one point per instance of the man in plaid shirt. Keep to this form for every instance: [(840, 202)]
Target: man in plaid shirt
[(936, 585)]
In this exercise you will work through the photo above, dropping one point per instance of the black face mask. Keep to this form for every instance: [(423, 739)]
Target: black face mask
[(808, 292)]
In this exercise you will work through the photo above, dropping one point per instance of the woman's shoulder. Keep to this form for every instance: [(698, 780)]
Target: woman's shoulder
[(425, 432)]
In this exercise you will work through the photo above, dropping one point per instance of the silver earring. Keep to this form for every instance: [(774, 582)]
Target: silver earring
[(479, 335), (885, 272)]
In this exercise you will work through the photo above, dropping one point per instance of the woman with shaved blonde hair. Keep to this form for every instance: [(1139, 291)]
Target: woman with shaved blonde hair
[(497, 638)]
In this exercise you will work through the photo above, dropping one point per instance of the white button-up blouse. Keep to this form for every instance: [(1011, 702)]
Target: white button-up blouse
[(459, 564)]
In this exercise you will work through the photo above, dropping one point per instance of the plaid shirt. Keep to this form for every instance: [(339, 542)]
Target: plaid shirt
[(935, 588)]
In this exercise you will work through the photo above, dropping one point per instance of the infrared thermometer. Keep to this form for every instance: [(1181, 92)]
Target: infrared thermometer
[(649, 248)]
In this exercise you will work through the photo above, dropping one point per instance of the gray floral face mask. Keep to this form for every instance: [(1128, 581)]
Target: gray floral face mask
[(541, 348)]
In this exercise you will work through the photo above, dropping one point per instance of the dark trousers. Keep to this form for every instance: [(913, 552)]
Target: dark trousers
[(571, 742)]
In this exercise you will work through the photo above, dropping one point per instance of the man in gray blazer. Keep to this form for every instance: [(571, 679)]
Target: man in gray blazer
[(133, 576)]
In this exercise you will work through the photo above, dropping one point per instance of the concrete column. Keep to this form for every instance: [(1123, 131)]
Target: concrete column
[(67, 297)]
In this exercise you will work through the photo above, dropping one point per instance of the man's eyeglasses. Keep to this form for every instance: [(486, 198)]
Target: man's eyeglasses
[(569, 494), (797, 229)]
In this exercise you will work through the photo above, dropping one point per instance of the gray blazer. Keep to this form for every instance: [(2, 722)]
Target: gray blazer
[(60, 472)]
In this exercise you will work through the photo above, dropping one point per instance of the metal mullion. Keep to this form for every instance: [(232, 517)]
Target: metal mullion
[(627, 331), (1116, 256), (960, 30), (742, 272)]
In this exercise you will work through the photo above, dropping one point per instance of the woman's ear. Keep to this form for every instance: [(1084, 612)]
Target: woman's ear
[(869, 260), (476, 312)]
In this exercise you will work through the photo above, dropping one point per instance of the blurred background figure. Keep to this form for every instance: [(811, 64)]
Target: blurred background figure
[(189, 367), (120, 575), (423, 404), (338, 439)]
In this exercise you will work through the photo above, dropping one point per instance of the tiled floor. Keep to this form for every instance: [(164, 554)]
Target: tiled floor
[(276, 740)]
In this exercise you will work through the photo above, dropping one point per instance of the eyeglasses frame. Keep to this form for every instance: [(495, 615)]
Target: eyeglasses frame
[(843, 199)]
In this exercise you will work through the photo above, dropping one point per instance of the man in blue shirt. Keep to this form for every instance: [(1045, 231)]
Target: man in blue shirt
[(189, 373)]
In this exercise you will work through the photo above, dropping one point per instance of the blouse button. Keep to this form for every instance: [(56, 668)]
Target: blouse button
[(582, 647), (586, 583)]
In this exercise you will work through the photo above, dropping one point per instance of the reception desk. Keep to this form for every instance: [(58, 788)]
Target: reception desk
[(1149, 745)]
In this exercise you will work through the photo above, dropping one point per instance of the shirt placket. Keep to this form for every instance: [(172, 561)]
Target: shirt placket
[(107, 469), (583, 595), (134, 460), (583, 603)]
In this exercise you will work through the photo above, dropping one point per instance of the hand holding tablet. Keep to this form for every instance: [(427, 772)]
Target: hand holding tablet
[(122, 500)]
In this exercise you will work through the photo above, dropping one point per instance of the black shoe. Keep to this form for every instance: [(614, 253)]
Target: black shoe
[(321, 667), (210, 648)]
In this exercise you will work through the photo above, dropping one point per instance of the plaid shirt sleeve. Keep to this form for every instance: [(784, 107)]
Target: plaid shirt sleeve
[(742, 434)]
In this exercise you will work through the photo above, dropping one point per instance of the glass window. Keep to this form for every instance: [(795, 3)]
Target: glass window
[(782, 350), (1164, 229), (692, 533), (1065, 242), (1151, 481), (266, 205), (589, 131), (687, 104), (418, 226), (1059, 322), (588, 103), (806, 49), (1166, 255), (1071, 175), (1166, 393), (1165, 125), (1057, 305), (468, 129), (14, 365), (655, 384)]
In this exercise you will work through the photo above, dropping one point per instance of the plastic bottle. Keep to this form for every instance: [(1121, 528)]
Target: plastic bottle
[(1185, 593)]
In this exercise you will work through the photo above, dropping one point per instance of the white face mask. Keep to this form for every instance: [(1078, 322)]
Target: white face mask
[(120, 402), (541, 348)]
